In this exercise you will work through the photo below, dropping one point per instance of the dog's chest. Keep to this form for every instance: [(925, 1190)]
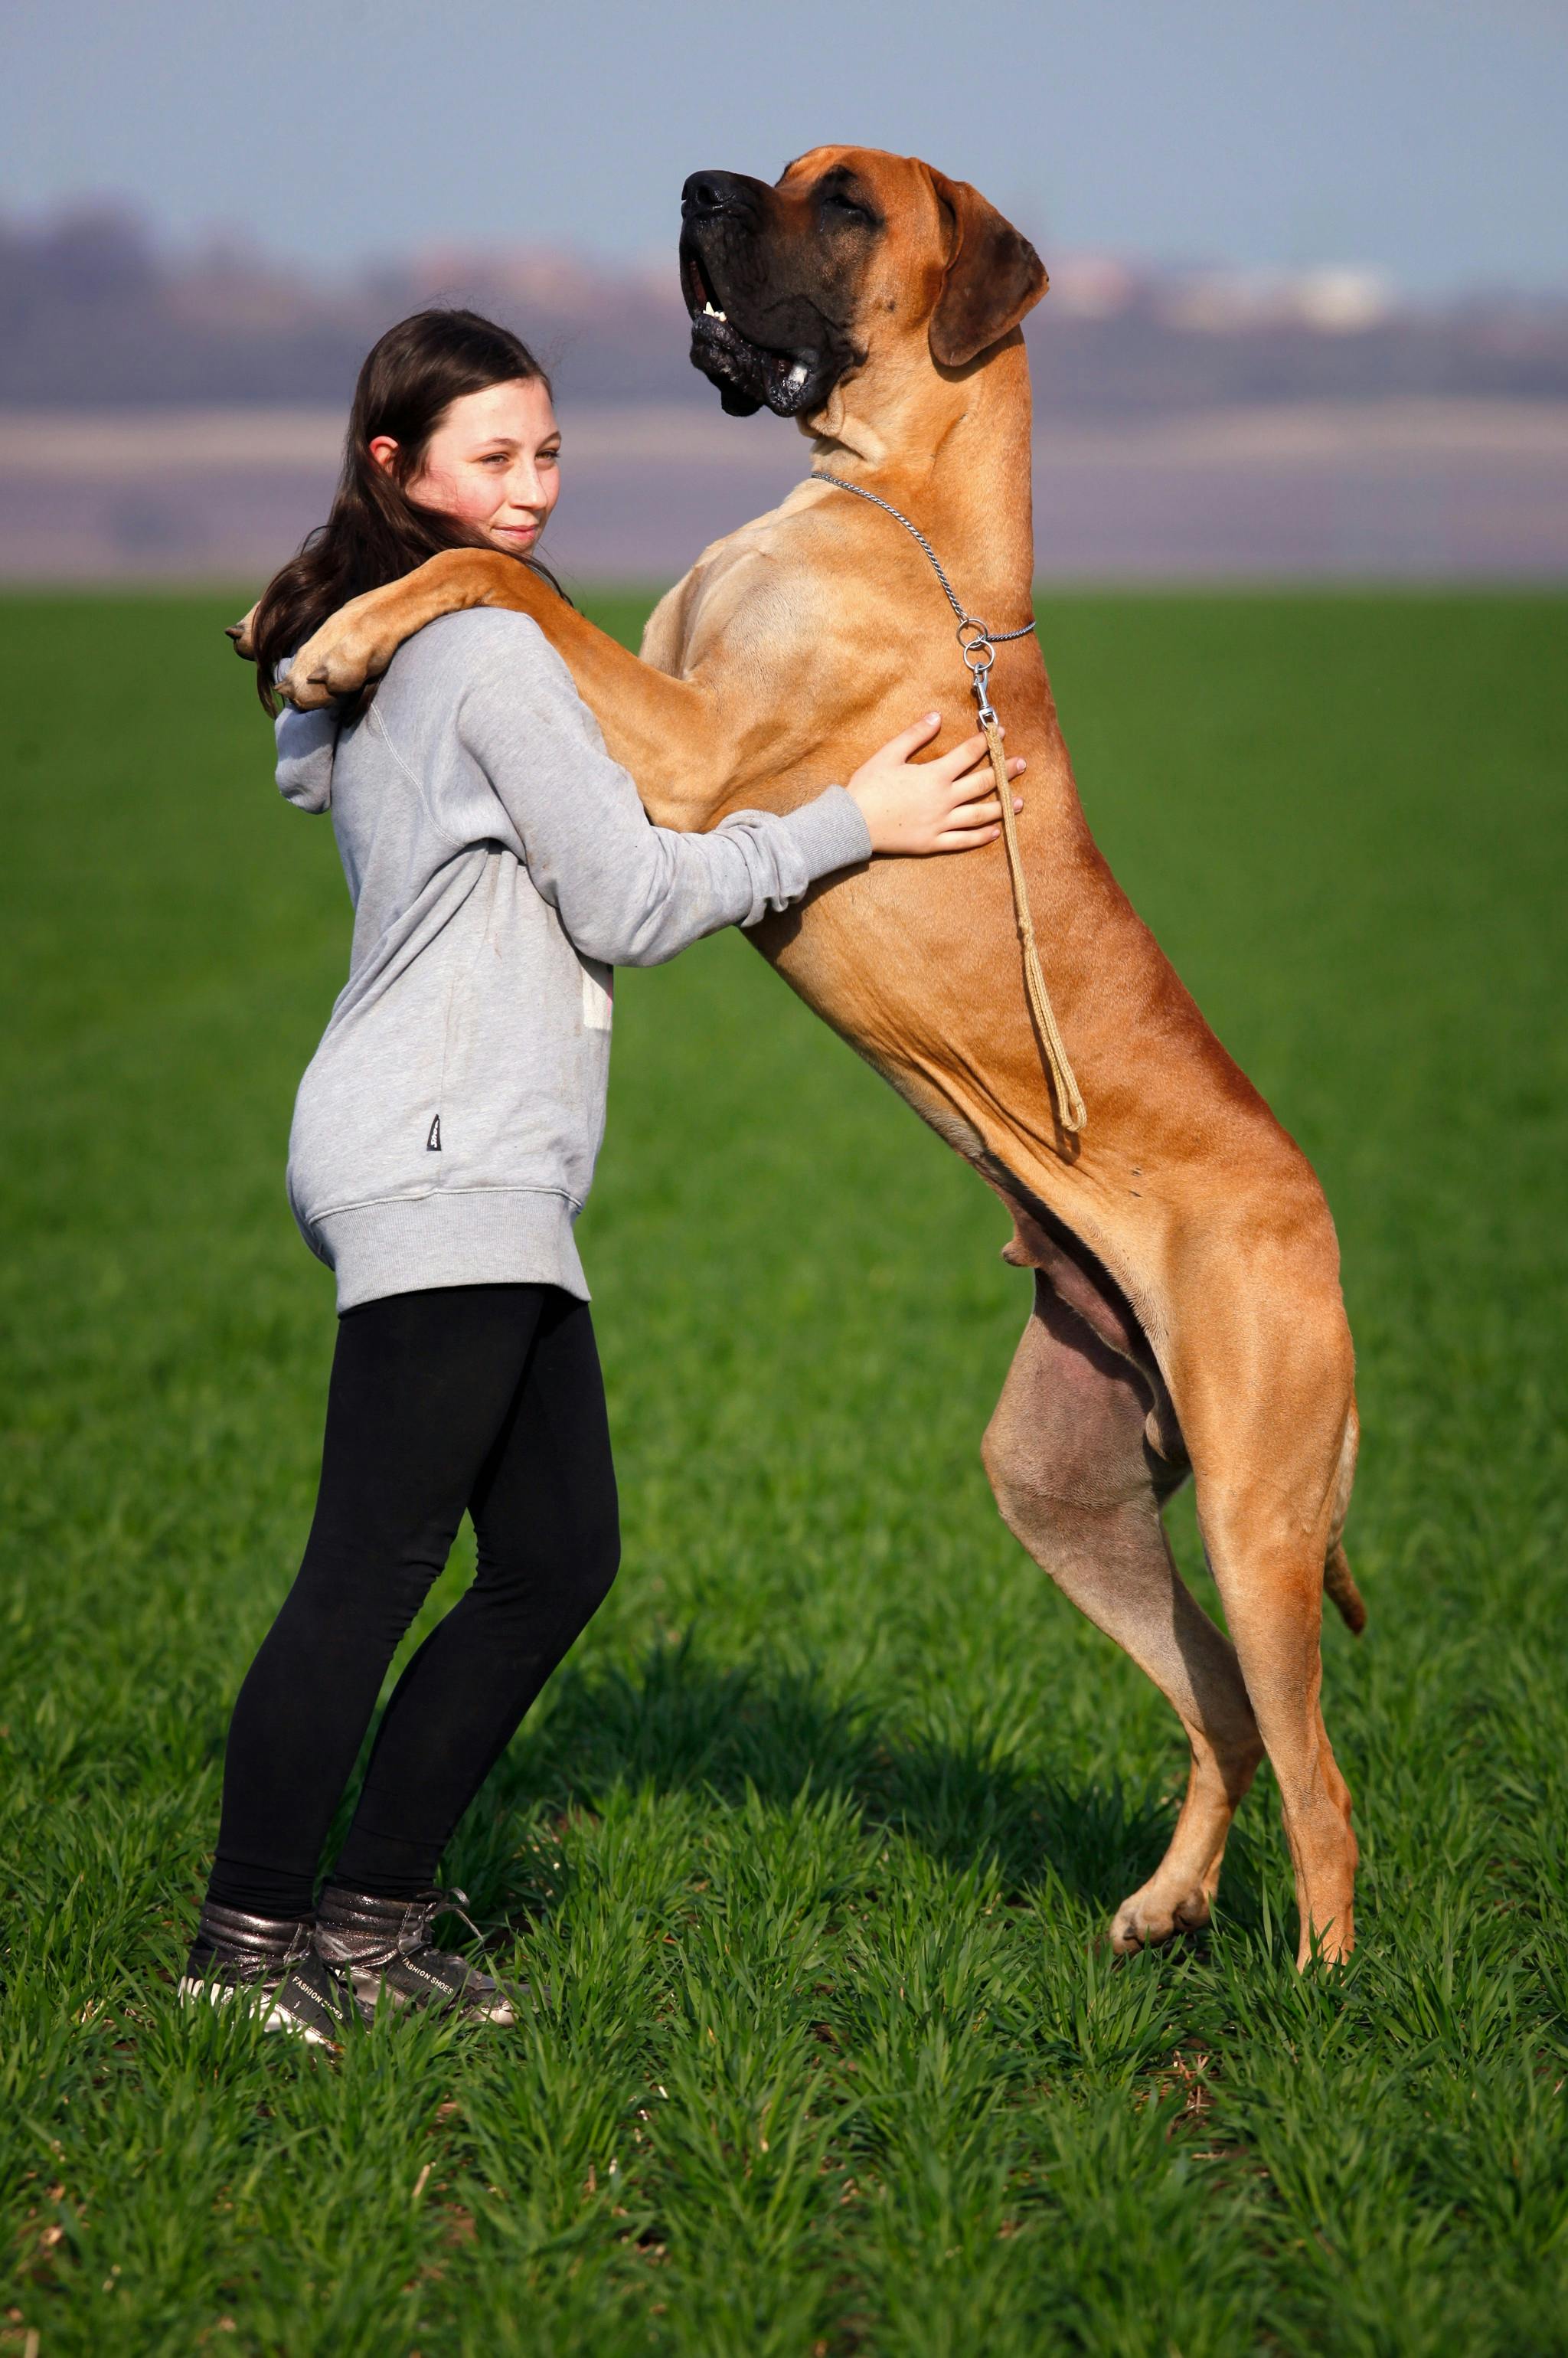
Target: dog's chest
[(725, 609)]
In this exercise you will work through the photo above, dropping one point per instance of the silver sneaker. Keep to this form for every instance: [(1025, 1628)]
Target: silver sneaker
[(268, 1965), (383, 1949)]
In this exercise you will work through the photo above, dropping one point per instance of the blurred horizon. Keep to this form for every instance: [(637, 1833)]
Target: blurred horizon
[(216, 240), (1309, 306), (178, 412)]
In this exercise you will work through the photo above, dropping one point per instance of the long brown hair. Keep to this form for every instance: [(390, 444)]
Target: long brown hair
[(375, 532)]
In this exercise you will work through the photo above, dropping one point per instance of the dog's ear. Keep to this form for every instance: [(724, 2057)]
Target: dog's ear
[(994, 275)]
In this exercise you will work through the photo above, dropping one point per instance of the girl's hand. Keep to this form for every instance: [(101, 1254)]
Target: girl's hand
[(948, 805)]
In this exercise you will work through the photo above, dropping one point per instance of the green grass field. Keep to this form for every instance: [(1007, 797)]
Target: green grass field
[(812, 1837)]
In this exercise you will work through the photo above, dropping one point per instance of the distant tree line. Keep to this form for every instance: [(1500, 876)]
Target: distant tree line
[(93, 314)]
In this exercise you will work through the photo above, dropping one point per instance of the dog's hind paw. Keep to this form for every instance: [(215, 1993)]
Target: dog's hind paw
[(1150, 1918)]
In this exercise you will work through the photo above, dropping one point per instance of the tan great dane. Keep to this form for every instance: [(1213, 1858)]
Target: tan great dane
[(1187, 1309)]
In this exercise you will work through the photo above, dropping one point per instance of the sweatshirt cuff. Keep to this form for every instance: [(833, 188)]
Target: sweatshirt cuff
[(829, 833)]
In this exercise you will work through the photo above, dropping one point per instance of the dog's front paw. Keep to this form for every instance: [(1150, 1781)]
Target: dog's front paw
[(347, 651), (243, 633)]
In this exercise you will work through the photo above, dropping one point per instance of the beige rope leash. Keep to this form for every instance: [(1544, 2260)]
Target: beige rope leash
[(1069, 1101), (979, 646)]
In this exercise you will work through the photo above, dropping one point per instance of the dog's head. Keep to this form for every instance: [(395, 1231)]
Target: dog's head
[(850, 258)]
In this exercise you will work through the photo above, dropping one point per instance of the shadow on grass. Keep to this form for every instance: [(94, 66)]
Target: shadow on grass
[(682, 1724)]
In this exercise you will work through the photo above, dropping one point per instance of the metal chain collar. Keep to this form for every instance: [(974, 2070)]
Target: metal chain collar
[(978, 645)]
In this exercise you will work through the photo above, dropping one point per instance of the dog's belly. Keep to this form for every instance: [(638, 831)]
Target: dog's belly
[(893, 958)]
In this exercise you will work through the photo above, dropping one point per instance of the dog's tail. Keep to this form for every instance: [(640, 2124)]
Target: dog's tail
[(1336, 1570), (1336, 1579)]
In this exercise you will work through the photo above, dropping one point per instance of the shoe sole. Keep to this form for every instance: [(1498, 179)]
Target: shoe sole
[(191, 1992), (368, 1989)]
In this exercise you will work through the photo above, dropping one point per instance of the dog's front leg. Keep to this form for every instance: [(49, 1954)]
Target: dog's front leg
[(670, 733), (357, 643)]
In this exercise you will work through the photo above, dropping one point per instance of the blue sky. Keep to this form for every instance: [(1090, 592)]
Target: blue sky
[(1422, 138)]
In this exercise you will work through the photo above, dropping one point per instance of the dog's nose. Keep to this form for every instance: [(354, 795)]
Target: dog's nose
[(717, 192)]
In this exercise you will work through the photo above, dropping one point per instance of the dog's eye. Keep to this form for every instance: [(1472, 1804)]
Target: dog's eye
[(845, 208)]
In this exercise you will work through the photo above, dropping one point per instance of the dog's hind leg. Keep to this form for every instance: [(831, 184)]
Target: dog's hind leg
[(1270, 1581), (1268, 1416), (1079, 1484)]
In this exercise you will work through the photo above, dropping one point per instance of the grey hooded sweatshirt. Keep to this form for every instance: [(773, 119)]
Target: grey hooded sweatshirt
[(499, 865)]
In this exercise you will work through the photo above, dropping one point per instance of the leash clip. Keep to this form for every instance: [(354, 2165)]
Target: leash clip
[(978, 655)]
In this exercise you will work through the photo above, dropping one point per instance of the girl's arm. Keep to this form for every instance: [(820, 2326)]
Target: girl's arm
[(635, 894)]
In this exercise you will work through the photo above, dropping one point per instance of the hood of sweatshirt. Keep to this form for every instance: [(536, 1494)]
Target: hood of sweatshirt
[(307, 748)]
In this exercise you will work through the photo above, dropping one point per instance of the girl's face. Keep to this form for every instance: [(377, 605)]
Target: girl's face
[(494, 462)]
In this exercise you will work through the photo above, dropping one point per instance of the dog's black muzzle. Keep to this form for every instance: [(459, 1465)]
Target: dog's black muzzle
[(711, 196), (755, 336)]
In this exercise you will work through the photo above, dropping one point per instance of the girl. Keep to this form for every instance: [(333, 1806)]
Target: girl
[(444, 1140)]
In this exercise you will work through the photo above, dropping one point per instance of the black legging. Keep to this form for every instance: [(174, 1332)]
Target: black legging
[(487, 1397)]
